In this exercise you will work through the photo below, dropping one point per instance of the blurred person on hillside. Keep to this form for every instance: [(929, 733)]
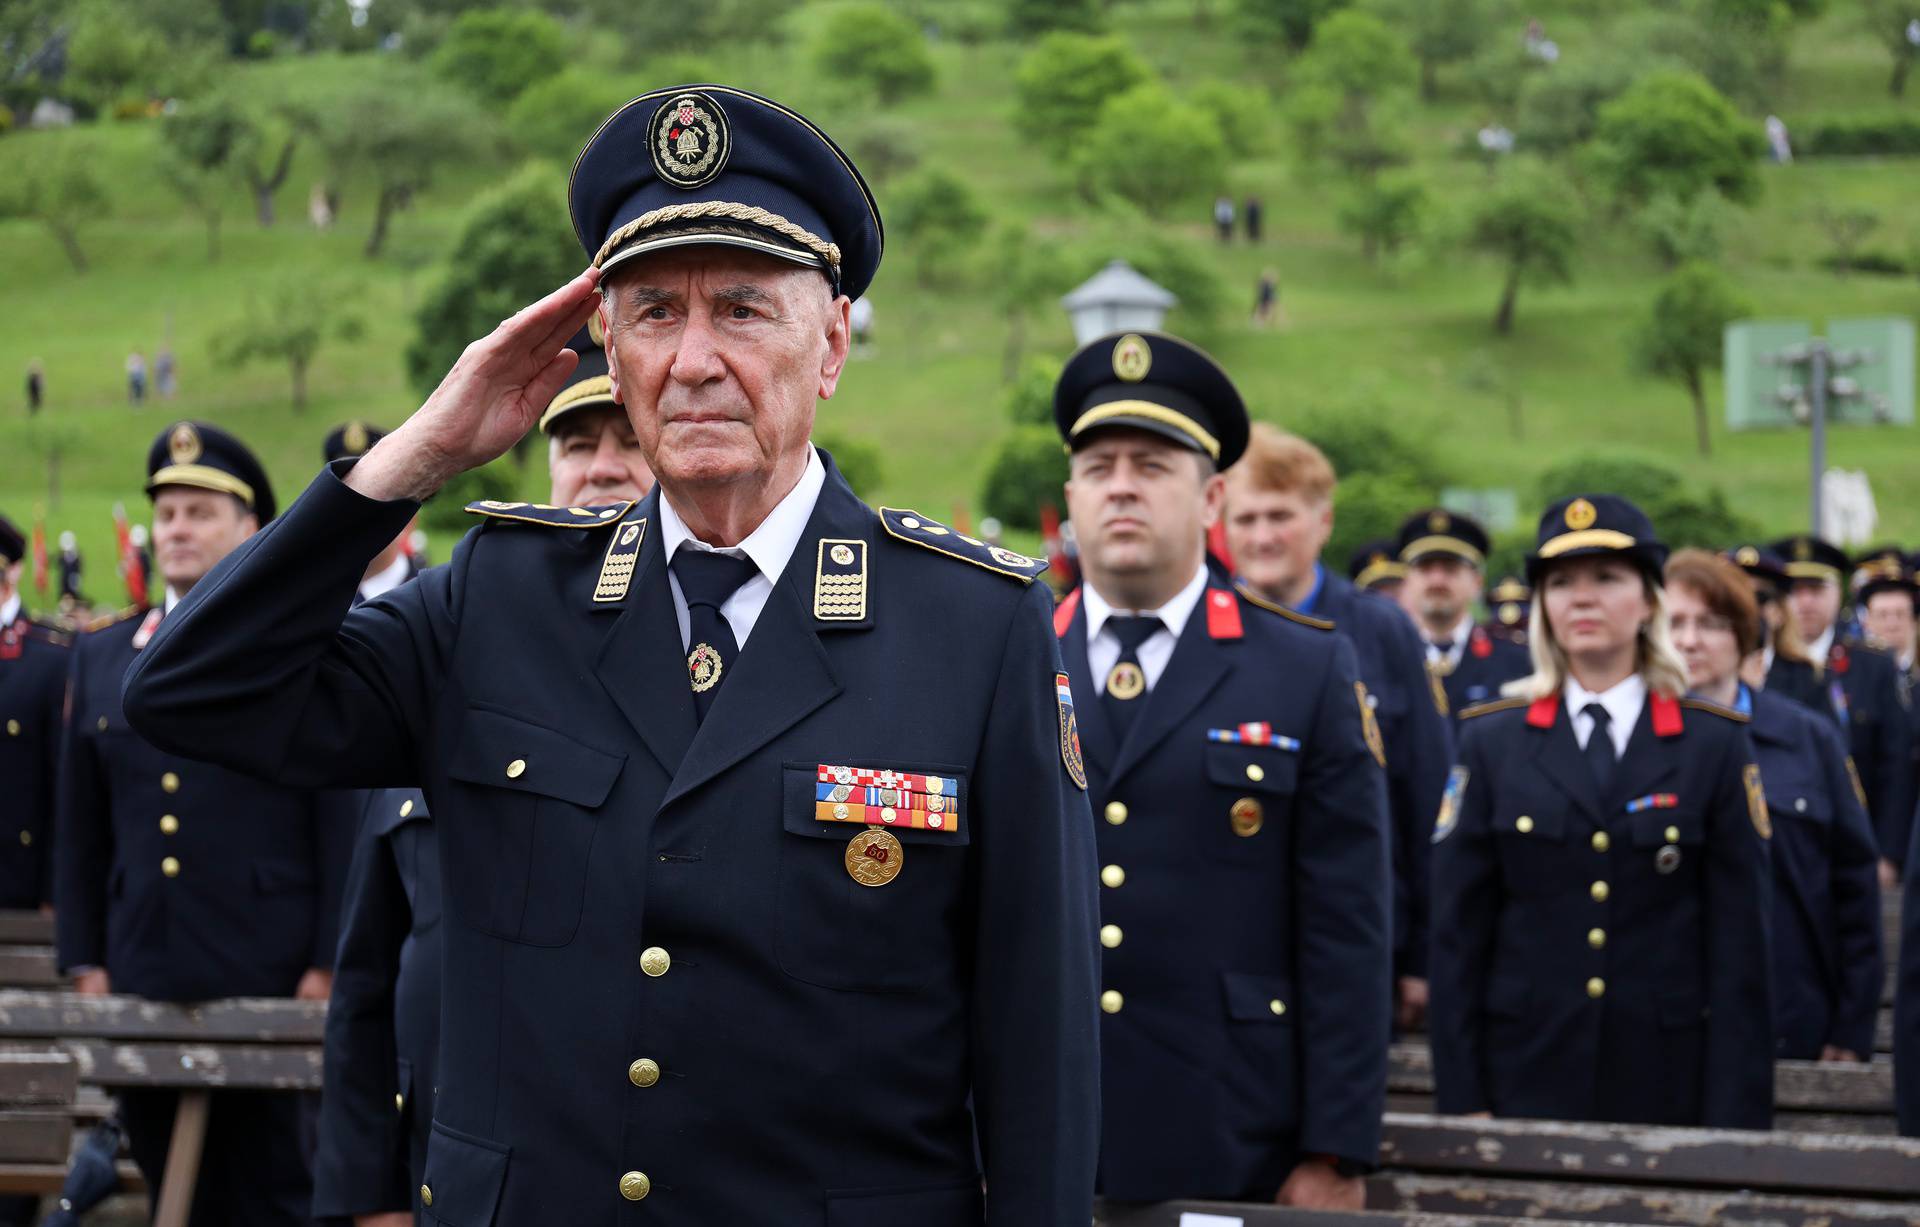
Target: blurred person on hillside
[(1255, 214), (70, 565), (36, 386), (160, 894), (1278, 510), (136, 377), (164, 372), (1223, 217), (1266, 299), (1866, 694)]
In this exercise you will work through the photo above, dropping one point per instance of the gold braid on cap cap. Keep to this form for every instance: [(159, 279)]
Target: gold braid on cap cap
[(750, 214)]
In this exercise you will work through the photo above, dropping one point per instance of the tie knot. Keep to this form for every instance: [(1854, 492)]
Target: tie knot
[(1133, 630), (707, 578), (1443, 646), (1596, 712)]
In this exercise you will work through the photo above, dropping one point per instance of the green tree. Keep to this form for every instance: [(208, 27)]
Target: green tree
[(1531, 222), (1353, 77), (1026, 17), (1443, 32), (1683, 231), (250, 135), (1887, 21), (1684, 512), (1384, 214), (877, 50), (1241, 112), (1153, 153), (1681, 336), (1062, 83), (1357, 54), (112, 56), (1029, 470), (940, 219), (54, 183), (1673, 134), (513, 245), (860, 462), (288, 323), (553, 118), (1029, 276), (496, 53), (1291, 22), (1029, 398), (201, 189), (1559, 110)]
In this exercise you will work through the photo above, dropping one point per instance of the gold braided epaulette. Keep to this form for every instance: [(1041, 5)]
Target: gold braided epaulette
[(120, 615), (1291, 615), (1492, 705), (549, 515), (913, 527), (1717, 709)]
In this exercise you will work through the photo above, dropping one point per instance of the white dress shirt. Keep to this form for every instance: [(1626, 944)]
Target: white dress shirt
[(1623, 702), (769, 547), (1820, 647), (387, 580), (9, 610), (1103, 646), (1451, 657)]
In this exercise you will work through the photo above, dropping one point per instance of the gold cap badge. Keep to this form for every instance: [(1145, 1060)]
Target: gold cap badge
[(1581, 515), (1439, 522), (691, 141), (1132, 358), (354, 437), (1803, 550), (1747, 556), (183, 445)]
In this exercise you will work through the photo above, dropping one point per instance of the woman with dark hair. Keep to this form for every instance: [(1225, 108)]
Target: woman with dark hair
[(1827, 965), (1600, 876)]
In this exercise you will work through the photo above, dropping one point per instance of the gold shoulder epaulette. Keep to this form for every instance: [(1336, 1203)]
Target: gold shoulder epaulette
[(1291, 615), (911, 526), (120, 615), (1708, 705), (549, 515), (56, 632), (1493, 705)]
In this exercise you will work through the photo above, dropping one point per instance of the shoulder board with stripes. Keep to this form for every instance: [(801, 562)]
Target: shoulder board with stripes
[(1247, 594), (912, 527), (1708, 705), (1481, 709), (548, 515)]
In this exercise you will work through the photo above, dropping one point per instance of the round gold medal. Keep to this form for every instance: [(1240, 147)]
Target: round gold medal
[(1126, 681), (703, 665), (1247, 817), (874, 858)]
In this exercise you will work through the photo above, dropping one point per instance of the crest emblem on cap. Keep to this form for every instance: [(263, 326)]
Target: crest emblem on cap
[(1580, 514), (1802, 550), (355, 437), (1747, 556), (691, 140), (1439, 522), (183, 444), (1132, 358)]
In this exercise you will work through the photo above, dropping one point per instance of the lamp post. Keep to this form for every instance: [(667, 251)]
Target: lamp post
[(1116, 299)]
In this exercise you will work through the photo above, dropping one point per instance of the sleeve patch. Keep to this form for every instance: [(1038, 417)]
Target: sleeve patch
[(1449, 815), (1069, 732), (1757, 801), (1369, 725)]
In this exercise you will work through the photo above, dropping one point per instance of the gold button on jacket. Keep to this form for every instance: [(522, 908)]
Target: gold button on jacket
[(635, 1185), (655, 961)]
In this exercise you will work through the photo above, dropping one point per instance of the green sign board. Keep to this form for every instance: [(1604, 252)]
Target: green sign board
[(1870, 374)]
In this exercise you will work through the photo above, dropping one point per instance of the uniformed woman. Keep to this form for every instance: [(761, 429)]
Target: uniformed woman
[(1601, 901), (1826, 904)]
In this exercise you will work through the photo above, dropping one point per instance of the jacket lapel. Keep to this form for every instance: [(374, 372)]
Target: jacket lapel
[(1198, 665), (1557, 757), (1649, 765), (641, 665)]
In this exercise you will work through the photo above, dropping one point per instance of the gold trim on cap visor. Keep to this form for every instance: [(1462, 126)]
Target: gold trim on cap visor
[(1373, 572), (1441, 545), (752, 215), (1597, 538), (204, 477), (596, 390), (1153, 413), (1813, 570)]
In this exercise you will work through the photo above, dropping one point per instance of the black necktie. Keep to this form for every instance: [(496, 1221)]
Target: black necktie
[(707, 579), (1443, 646), (1126, 686), (1600, 756)]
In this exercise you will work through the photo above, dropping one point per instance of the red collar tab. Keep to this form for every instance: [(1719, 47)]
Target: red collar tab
[(1223, 614), (1063, 613), (1666, 716), (1480, 644), (11, 640), (1839, 658), (1540, 712)]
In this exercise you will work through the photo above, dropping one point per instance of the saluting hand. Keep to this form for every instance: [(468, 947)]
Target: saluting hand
[(492, 396)]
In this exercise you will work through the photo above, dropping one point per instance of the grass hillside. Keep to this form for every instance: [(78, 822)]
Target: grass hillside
[(1408, 341)]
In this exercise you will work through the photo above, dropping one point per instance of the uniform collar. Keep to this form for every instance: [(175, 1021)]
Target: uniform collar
[(173, 598), (1822, 647), (771, 545), (10, 610), (1173, 615), (1311, 602), (1623, 700)]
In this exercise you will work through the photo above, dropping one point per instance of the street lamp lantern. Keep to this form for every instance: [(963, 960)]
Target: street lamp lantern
[(1116, 299)]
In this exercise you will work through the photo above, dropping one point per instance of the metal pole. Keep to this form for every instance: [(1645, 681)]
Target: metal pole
[(1817, 389)]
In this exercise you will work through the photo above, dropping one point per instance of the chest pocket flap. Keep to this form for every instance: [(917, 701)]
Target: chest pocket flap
[(501, 751), (1261, 768)]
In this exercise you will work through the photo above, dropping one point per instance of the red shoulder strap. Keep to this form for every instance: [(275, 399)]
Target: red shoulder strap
[(1667, 721), (1541, 712), (1223, 614), (1063, 613)]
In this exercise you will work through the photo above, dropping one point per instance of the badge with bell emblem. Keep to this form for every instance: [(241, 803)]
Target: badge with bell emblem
[(704, 666), (1126, 681)]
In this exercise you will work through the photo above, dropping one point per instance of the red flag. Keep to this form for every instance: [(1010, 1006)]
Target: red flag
[(132, 567), (1050, 536), (960, 522), (39, 555)]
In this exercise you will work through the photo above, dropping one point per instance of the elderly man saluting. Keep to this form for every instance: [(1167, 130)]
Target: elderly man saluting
[(767, 858)]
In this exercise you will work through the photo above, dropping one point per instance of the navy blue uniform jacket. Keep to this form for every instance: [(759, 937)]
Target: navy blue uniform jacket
[(1486, 664), (1572, 977), (33, 686), (1906, 1005), (186, 881), (1410, 705), (1863, 691), (1827, 970), (1247, 886), (383, 1021), (624, 883)]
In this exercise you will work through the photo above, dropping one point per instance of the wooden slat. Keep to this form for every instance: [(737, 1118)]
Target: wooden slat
[(29, 967), (35, 1135), (254, 1067), (265, 1020), (1871, 1124), (25, 928), (49, 1076), (44, 1178), (1713, 1158), (1167, 1214), (1617, 1203)]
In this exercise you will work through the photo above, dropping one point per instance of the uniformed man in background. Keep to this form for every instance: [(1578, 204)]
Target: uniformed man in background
[(1866, 700), (769, 875), (395, 564), (1376, 567), (33, 685), (1234, 764), (1511, 601), (383, 1020), (1446, 558), (162, 893), (1278, 512)]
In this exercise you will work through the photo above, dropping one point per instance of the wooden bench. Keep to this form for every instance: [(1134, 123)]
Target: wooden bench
[(27, 958)]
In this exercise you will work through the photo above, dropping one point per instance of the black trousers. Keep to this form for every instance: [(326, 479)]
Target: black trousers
[(256, 1168)]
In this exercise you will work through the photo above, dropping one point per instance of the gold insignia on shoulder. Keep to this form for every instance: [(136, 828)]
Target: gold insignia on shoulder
[(1251, 597), (1439, 691), (840, 581), (1491, 706), (1132, 357), (691, 140), (616, 570), (1747, 556), (1443, 822), (1008, 558), (1369, 725), (1757, 801), (183, 444), (1853, 774), (1439, 522), (874, 857), (1580, 514), (929, 534)]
